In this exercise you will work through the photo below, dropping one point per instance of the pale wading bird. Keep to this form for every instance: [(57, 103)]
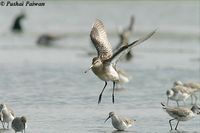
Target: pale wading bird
[(17, 26), (191, 85), (120, 123), (7, 115), (178, 93), (19, 124), (124, 36), (104, 65), (181, 113)]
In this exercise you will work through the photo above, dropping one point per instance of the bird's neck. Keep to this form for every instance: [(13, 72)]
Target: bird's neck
[(98, 67), (115, 118)]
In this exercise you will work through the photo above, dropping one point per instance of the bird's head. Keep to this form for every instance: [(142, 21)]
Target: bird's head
[(96, 62), (23, 119), (169, 93), (178, 82), (110, 115)]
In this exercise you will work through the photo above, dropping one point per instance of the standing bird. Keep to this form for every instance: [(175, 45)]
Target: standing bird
[(17, 27), (104, 65), (181, 113), (124, 38), (178, 93), (120, 123), (7, 115), (191, 85), (19, 124)]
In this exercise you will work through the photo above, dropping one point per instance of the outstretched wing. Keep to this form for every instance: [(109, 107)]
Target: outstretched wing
[(99, 38), (126, 48)]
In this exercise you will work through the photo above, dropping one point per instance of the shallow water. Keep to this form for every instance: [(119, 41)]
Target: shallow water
[(49, 86)]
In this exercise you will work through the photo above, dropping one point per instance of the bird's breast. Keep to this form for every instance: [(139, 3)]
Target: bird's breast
[(106, 73)]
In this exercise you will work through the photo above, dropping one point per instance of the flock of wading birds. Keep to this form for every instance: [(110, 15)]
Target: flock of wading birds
[(104, 67)]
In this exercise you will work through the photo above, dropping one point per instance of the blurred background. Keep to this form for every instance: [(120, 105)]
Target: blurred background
[(42, 63)]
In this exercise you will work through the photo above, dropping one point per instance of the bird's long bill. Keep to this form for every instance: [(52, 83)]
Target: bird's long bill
[(88, 69), (107, 119)]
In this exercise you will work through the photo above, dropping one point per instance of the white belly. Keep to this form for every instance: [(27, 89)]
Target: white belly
[(119, 125), (107, 73)]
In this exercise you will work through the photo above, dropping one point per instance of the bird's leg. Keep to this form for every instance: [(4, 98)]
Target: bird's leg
[(176, 125), (177, 103), (102, 92), (170, 123), (167, 101), (113, 96)]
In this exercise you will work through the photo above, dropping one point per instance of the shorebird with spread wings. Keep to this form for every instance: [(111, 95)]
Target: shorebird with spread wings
[(104, 65)]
